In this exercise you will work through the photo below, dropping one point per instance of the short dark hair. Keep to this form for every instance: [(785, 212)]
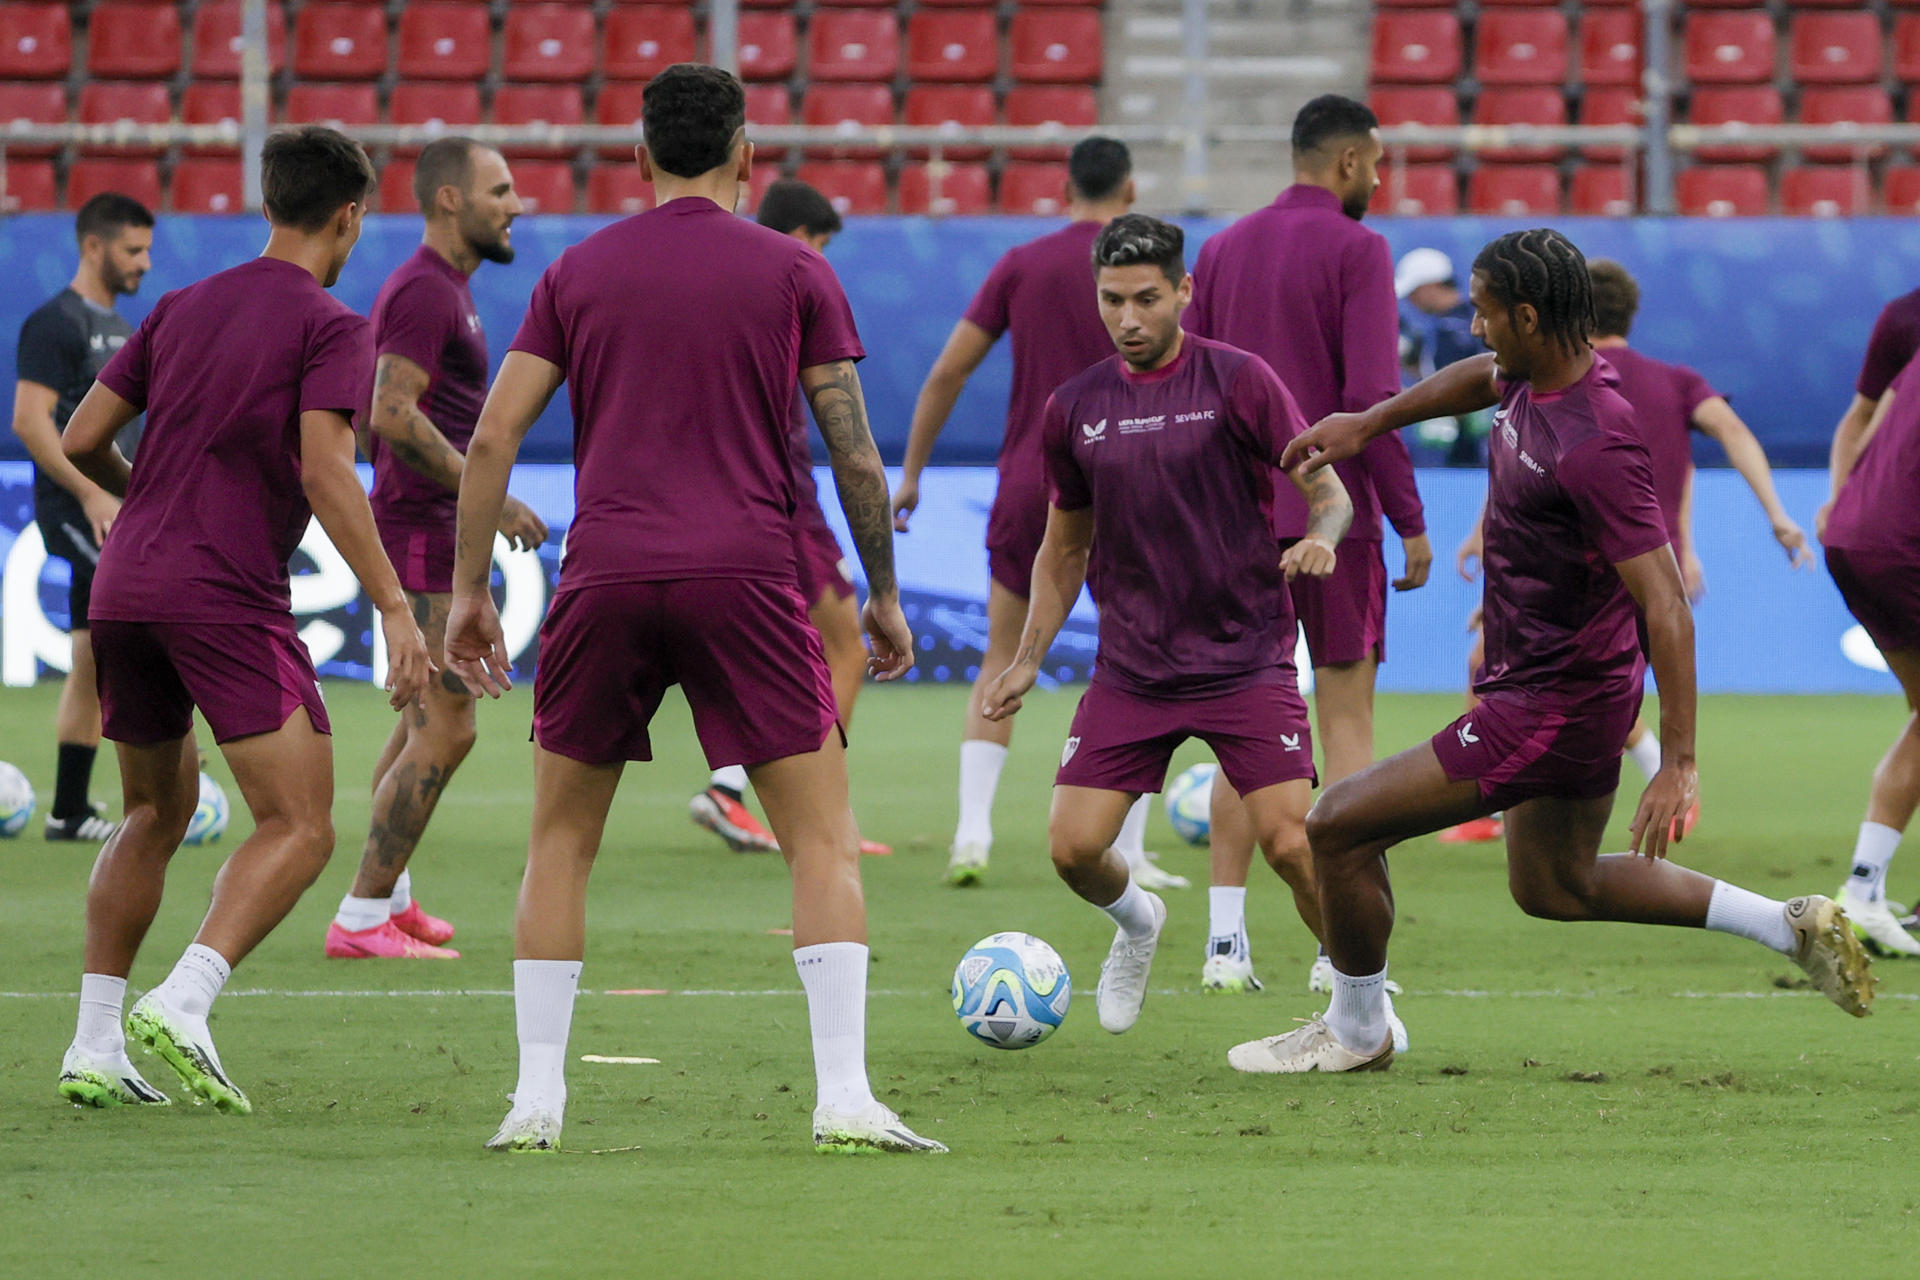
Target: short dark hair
[(107, 213), (1328, 118), (1098, 167), (307, 173), (1616, 298), (1134, 239), (1545, 270), (790, 205), (446, 162), (690, 114)]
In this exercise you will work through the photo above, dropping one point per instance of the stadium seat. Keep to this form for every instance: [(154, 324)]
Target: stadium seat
[(960, 47), (544, 186), (124, 101), (769, 46), (1067, 106), (828, 106), (964, 189), (1722, 191), (1844, 105), (340, 42), (133, 40), (1901, 190), (216, 39), (1825, 191), (1535, 104), (204, 185), (32, 102), (211, 102), (1417, 190), (1055, 46), (28, 186), (395, 193), (1416, 104), (1835, 48), (341, 105), (1741, 104), (1059, 4), (952, 107), (1514, 47), (1609, 107), (1610, 47), (549, 104), (445, 41), (1729, 48), (1906, 48), (618, 107), (1602, 191), (92, 175), (1514, 190), (1416, 48), (852, 186), (434, 105), (1030, 187), (642, 42), (36, 41), (852, 44), (618, 188), (548, 42)]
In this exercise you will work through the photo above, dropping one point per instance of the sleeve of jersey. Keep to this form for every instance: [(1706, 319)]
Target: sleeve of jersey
[(991, 307), (1370, 328), (1066, 483), (1610, 482), (1892, 345), (126, 373), (416, 324), (1262, 413), (339, 372), (50, 351), (540, 331), (827, 331), (1694, 390), (1390, 466)]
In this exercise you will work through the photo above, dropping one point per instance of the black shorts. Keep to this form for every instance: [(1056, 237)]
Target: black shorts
[(71, 539)]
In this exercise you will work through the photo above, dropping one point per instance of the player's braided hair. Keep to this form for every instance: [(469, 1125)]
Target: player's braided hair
[(1545, 270)]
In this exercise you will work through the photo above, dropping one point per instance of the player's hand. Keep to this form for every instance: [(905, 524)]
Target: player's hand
[(1309, 556), (1005, 695), (1820, 519), (1693, 576), (1334, 438), (1793, 540), (1663, 809), (409, 666), (1419, 552), (906, 500), (476, 647), (1472, 555), (887, 635), (101, 509), (524, 530)]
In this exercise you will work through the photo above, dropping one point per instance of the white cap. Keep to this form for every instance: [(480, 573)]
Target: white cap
[(1421, 266)]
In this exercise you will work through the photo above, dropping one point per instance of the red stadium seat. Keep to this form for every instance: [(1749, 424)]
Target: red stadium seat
[(768, 104), (1906, 48), (1723, 4), (952, 107), (434, 105), (343, 106), (642, 42), (1835, 48), (395, 193), (544, 186), (1609, 107), (1067, 106), (1416, 104), (36, 41), (1743, 104), (1825, 191), (92, 175), (216, 39), (1511, 47), (964, 189), (1533, 105), (618, 188), (1901, 190), (1844, 105), (958, 47), (618, 107), (32, 102), (848, 106), (133, 40), (1055, 46), (340, 42), (852, 44), (1061, 4), (1730, 48), (769, 46), (211, 102), (1030, 187), (445, 41), (1514, 190), (1602, 190), (28, 186), (1419, 190), (204, 185), (1610, 47), (1723, 191), (548, 42), (1518, 4), (538, 104), (851, 186), (125, 101), (1416, 48)]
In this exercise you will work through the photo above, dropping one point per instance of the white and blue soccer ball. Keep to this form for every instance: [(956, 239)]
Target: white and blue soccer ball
[(210, 815), (1190, 803), (1011, 991), (16, 801)]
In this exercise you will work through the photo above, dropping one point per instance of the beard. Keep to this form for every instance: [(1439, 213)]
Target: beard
[(121, 283), (1356, 206), (493, 251)]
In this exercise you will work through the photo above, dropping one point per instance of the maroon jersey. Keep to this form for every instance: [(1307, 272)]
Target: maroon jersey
[(1879, 506), (1663, 398), (1896, 337)]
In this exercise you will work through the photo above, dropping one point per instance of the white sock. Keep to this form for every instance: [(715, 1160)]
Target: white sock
[(195, 981), (1646, 753), (835, 976), (1132, 843), (1871, 854), (356, 914), (1749, 915), (1357, 1014), (103, 1000), (980, 765), (543, 992), (1133, 912), (1227, 916), (732, 777), (402, 894)]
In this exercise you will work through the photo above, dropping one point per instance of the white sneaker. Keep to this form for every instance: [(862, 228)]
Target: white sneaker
[(1830, 954), (1123, 975), (1320, 978), (91, 1081), (1148, 874), (1311, 1047), (1228, 973), (1396, 1027), (530, 1128), (185, 1044), (967, 865), (1875, 924), (875, 1129)]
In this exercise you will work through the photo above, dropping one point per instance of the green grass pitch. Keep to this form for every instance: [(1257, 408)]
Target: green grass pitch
[(1579, 1099)]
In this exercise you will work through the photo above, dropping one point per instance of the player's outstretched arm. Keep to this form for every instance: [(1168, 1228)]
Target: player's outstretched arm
[(1329, 515), (1693, 574), (1716, 418), (88, 442), (1654, 580), (966, 347), (1059, 571), (1465, 386), (33, 406), (1850, 438)]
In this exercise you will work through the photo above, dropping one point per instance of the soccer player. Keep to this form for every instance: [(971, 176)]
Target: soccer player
[(63, 346), (1160, 462), (1578, 560), (1304, 286), (795, 209), (430, 378), (680, 333), (1895, 339), (1039, 293), (250, 380)]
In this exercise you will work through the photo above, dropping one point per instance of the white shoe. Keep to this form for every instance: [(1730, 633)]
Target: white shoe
[(87, 1080), (531, 1128), (1320, 978), (1396, 1027), (1875, 924), (185, 1044), (1148, 874), (1311, 1047), (1123, 976), (1228, 973), (875, 1129), (1830, 954), (967, 865)]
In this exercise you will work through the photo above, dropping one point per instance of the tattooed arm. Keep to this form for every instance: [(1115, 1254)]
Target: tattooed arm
[(1329, 512), (1059, 571)]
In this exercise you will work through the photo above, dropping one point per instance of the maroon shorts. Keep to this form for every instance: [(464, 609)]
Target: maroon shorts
[(743, 651), (1016, 526), (1518, 749), (1345, 614), (1123, 742), (822, 564), (246, 678), (1882, 591), (423, 557)]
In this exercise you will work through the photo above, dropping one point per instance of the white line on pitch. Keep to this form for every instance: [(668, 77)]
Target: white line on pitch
[(437, 993)]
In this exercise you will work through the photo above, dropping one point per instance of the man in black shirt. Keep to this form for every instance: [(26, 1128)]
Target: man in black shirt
[(62, 346)]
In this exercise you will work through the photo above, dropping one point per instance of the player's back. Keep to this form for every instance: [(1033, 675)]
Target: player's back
[(1663, 397), (1878, 508)]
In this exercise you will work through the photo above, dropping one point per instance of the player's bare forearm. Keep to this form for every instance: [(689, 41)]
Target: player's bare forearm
[(518, 397), (1654, 580), (1465, 386), (1329, 508), (1851, 436), (966, 347), (340, 505), (1717, 419), (88, 446), (833, 390), (398, 384), (1059, 572)]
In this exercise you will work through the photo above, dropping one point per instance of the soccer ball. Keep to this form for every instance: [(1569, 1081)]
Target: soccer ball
[(1011, 990), (210, 815), (1190, 803), (16, 801)]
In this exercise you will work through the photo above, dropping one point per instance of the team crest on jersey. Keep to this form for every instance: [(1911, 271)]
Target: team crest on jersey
[(1095, 431), (1066, 752)]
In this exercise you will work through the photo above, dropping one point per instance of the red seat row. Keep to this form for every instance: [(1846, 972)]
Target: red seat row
[(1705, 190)]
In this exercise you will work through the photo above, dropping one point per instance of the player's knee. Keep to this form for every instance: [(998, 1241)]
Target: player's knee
[(1547, 899), (1072, 851), (1329, 827), (1288, 852)]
